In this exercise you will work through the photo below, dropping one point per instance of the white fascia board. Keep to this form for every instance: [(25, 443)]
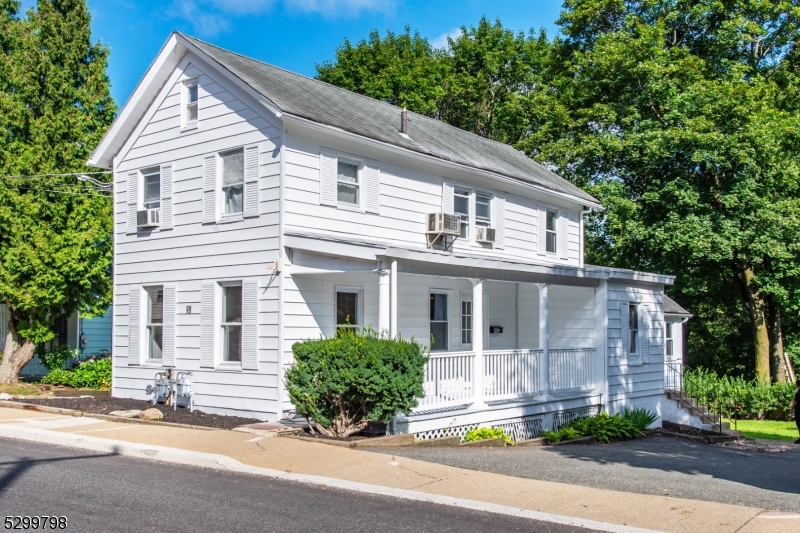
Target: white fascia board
[(329, 246), (136, 106), (405, 152)]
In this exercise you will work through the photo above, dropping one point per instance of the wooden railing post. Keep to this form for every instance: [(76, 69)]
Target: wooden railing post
[(477, 344), (544, 338)]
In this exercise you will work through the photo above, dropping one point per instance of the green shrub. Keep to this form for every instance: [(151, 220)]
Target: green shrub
[(641, 418), (89, 374), (487, 433), (735, 396), (56, 358), (343, 383), (603, 427), (565, 433)]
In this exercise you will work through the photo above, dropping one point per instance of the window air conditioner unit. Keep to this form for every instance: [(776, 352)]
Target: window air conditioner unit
[(148, 218), (444, 224), (484, 234)]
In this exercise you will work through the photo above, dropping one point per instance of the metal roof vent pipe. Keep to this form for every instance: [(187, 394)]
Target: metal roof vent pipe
[(404, 122)]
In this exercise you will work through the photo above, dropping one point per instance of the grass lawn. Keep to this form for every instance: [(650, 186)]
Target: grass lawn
[(767, 429), (25, 389)]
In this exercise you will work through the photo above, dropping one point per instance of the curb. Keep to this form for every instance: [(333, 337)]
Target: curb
[(224, 463), (108, 418)]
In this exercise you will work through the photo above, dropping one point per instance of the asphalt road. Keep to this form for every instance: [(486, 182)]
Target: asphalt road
[(109, 493), (654, 465)]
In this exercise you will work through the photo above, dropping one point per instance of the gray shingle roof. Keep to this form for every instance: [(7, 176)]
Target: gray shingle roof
[(671, 307), (333, 106)]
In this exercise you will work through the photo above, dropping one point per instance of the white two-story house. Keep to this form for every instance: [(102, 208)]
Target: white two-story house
[(255, 208)]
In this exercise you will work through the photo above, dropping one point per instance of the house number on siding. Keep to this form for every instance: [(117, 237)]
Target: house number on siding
[(188, 309)]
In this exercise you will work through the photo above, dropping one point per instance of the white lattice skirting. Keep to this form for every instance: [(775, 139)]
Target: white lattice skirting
[(518, 430), (565, 418)]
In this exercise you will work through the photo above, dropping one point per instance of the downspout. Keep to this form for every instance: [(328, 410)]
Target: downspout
[(282, 269)]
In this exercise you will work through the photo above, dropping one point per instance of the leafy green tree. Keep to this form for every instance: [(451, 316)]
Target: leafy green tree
[(682, 116), (55, 234)]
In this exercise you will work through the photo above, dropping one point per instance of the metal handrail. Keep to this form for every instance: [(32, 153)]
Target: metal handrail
[(674, 382)]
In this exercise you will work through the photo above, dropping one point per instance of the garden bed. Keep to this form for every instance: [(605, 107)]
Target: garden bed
[(106, 404)]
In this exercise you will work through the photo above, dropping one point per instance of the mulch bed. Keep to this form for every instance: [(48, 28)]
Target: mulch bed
[(106, 404)]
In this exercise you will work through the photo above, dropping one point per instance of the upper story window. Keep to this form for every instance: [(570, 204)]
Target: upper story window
[(190, 113), (155, 321), (670, 339), (151, 179), (347, 185), (461, 207), (633, 329), (483, 209), (232, 322), (232, 181), (551, 233)]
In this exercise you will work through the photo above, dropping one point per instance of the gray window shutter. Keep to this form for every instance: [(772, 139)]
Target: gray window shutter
[(134, 326), (133, 200), (563, 235), (327, 179), (251, 196), (210, 189), (168, 342), (644, 333), (541, 227), (499, 210), (624, 329), (250, 325), (166, 197), (447, 198), (207, 343), (372, 181)]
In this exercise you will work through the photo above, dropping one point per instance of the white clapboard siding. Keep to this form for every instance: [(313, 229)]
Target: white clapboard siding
[(563, 235), (250, 324), (372, 183), (210, 189), (166, 197), (168, 339), (207, 330), (133, 200), (134, 326), (624, 327), (327, 178), (447, 197), (499, 210), (541, 224), (251, 191)]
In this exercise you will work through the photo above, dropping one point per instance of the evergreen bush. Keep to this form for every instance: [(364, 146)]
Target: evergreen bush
[(343, 383)]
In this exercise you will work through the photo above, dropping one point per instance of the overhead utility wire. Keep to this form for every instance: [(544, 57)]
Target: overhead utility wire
[(30, 176), (62, 192)]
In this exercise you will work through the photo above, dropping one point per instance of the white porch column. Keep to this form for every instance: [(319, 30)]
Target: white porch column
[(384, 303), (477, 344), (393, 301), (544, 338)]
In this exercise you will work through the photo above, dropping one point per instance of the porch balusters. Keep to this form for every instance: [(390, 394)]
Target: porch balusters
[(477, 344), (544, 338)]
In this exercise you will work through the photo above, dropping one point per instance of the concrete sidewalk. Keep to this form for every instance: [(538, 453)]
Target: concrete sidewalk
[(359, 470)]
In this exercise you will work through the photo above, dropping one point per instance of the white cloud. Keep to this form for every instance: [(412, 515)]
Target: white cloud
[(441, 41), (212, 17)]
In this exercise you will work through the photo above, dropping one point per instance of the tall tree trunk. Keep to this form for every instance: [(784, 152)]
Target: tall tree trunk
[(777, 365), (16, 354), (756, 305)]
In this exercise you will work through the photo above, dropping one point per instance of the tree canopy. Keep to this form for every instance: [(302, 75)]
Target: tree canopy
[(55, 232), (682, 117)]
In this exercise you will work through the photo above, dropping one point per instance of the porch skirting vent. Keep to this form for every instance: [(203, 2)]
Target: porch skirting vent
[(564, 418), (518, 430)]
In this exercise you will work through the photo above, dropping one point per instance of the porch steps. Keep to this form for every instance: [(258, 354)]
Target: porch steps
[(701, 411)]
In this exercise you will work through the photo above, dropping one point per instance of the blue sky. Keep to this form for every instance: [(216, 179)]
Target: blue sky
[(293, 34)]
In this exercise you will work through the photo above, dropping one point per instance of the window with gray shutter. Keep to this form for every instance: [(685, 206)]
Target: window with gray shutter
[(166, 197), (541, 229), (644, 334), (499, 210), (133, 201), (624, 315), (372, 185), (327, 179), (210, 189), (563, 235), (168, 342), (251, 195), (207, 325), (447, 198), (134, 329), (250, 325)]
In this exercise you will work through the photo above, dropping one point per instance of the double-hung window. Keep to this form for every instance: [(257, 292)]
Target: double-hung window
[(461, 207), (348, 309), (483, 209), (151, 179), (439, 323), (466, 322), (670, 339), (155, 321), (347, 185), (551, 232), (232, 181), (633, 329), (190, 97), (232, 322)]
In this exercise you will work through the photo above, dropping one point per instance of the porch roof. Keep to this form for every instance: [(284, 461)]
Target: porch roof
[(463, 264), (671, 307)]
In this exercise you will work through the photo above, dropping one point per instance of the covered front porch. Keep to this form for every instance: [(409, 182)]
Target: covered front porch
[(516, 346)]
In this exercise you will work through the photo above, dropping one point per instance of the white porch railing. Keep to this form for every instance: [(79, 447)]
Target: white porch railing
[(511, 373), (508, 374), (571, 369), (448, 380)]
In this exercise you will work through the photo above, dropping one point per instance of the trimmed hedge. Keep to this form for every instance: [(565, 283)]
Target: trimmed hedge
[(89, 374), (341, 384)]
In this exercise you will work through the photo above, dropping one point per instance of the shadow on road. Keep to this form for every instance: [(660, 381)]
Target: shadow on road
[(13, 470)]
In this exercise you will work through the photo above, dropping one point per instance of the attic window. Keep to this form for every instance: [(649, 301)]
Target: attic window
[(191, 103)]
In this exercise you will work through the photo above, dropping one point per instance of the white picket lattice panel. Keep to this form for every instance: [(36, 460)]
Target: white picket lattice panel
[(564, 418)]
